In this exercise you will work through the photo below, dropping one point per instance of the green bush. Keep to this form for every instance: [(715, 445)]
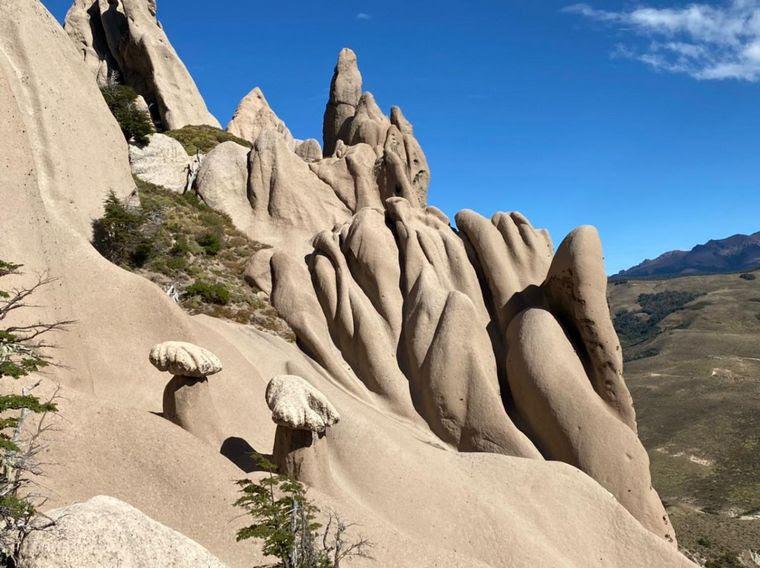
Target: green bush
[(210, 242), (203, 138), (135, 124), (118, 237), (209, 293), (636, 327), (285, 520)]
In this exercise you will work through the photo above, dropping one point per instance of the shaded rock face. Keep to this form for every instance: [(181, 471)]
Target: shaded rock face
[(122, 40), (107, 532)]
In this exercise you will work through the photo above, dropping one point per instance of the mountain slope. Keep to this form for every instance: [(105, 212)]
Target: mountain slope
[(732, 254), (695, 379)]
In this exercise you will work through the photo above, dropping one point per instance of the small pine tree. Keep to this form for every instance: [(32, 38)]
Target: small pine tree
[(21, 353), (135, 124), (118, 235), (285, 520)]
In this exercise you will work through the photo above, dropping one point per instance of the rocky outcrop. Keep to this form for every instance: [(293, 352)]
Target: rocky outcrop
[(107, 532), (187, 399), (345, 92), (222, 179), (253, 115), (62, 153), (163, 162), (303, 415), (122, 40), (400, 292), (309, 150)]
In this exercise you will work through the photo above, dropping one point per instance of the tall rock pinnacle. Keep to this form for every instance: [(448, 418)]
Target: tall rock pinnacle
[(345, 92)]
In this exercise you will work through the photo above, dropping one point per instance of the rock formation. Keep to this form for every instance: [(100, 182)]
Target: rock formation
[(122, 40), (187, 399), (107, 532), (303, 415), (253, 115), (163, 161), (403, 324)]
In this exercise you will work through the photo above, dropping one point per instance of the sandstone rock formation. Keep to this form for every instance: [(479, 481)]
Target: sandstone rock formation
[(187, 399), (107, 532), (253, 115), (427, 375), (163, 161), (122, 39), (303, 415), (345, 92)]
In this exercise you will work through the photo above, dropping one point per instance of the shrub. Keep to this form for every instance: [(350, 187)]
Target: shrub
[(210, 242), (118, 237), (209, 293), (203, 138), (21, 353), (634, 328), (747, 276), (135, 123), (285, 520)]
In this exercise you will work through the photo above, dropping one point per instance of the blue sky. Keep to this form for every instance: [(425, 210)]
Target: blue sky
[(641, 119)]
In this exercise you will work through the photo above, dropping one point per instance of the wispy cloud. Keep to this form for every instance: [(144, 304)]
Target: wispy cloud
[(705, 41), (363, 16)]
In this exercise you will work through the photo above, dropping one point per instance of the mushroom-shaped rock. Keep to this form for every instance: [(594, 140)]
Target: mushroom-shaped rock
[(181, 358), (187, 398), (297, 405), (303, 415)]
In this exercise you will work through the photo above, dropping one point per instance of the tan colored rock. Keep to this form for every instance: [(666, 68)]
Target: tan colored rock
[(297, 405), (309, 150), (107, 532), (572, 423), (283, 190), (253, 115), (417, 169), (86, 31), (351, 176), (108, 440), (182, 358), (345, 91), (163, 162), (576, 288), (143, 56), (222, 180), (369, 125)]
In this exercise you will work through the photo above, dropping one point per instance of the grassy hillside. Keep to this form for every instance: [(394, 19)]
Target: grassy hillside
[(692, 349)]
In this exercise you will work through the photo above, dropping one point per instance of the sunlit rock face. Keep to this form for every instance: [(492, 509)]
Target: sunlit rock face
[(473, 370)]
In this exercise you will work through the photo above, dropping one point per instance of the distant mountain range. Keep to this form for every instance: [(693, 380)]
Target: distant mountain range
[(733, 254)]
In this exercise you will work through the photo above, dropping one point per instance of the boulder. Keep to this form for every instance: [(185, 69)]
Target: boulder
[(309, 150), (107, 532), (222, 179), (163, 162)]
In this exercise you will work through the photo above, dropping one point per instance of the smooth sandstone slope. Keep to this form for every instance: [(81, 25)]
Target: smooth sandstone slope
[(428, 505)]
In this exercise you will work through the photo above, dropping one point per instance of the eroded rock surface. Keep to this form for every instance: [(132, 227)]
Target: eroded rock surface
[(122, 40), (107, 532), (163, 162), (253, 115)]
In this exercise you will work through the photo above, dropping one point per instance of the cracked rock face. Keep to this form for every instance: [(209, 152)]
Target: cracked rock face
[(123, 40)]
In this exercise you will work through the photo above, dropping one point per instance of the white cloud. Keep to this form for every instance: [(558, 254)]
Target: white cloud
[(363, 16), (706, 41)]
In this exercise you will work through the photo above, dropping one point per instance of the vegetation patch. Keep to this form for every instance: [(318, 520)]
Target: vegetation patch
[(135, 123), (747, 276), (193, 252), (203, 138), (634, 328)]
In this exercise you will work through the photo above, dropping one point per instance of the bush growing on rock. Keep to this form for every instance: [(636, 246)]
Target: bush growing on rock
[(209, 293), (21, 353), (134, 122), (285, 519)]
